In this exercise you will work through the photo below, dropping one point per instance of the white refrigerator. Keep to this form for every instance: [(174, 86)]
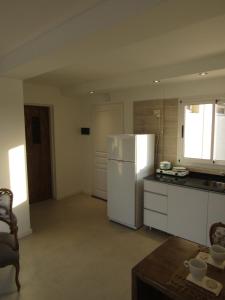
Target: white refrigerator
[(130, 159)]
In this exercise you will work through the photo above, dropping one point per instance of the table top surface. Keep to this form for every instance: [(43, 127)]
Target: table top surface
[(158, 268)]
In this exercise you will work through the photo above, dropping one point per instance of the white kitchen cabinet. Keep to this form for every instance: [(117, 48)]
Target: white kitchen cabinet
[(155, 187), (187, 213), (155, 202), (155, 205), (216, 210), (155, 220)]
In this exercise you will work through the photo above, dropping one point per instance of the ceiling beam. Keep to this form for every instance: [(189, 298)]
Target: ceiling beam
[(146, 77), (53, 49)]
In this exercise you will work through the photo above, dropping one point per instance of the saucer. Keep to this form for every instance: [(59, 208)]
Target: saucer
[(208, 259), (207, 283)]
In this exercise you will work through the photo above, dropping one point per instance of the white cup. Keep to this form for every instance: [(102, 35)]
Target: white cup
[(197, 268), (217, 253)]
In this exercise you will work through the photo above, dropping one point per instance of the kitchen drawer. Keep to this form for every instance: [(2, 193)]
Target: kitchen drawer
[(155, 220), (155, 187), (155, 202)]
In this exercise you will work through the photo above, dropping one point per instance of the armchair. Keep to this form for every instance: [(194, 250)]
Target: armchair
[(217, 234), (9, 246), (7, 216)]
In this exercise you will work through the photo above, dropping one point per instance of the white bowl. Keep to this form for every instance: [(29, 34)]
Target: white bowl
[(217, 253)]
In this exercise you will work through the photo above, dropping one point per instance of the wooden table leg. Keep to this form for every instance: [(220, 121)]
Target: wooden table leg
[(134, 285)]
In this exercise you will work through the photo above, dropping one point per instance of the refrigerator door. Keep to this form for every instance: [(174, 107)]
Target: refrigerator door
[(122, 147), (128, 147), (121, 192)]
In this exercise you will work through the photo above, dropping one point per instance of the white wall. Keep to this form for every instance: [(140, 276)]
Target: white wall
[(87, 105), (66, 119), (12, 137)]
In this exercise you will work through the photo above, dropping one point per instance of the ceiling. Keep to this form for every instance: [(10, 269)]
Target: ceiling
[(112, 44), (25, 20)]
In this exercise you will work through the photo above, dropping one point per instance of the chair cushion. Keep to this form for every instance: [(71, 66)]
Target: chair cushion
[(8, 239), (8, 256), (5, 200)]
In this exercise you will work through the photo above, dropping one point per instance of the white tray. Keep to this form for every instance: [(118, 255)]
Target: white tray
[(208, 259), (207, 283)]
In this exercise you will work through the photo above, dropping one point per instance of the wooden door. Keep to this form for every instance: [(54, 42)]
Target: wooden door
[(38, 153), (108, 119)]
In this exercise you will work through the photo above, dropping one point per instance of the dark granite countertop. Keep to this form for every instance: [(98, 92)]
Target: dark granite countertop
[(207, 182)]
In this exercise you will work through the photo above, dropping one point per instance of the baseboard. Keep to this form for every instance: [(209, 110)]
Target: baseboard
[(70, 195), (96, 197), (25, 233)]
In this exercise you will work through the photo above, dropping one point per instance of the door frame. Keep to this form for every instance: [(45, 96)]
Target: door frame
[(52, 143), (95, 108)]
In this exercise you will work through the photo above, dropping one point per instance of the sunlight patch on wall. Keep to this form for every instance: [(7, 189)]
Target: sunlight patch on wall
[(17, 171), (142, 144)]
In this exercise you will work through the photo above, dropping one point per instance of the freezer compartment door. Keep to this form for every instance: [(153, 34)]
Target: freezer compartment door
[(114, 147), (128, 147), (121, 147), (121, 192)]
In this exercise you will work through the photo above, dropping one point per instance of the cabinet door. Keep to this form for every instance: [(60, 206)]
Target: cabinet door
[(155, 187), (155, 220), (216, 211), (187, 213), (155, 202)]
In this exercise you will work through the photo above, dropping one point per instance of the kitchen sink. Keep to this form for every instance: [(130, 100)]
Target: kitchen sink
[(215, 185), (207, 182), (218, 183)]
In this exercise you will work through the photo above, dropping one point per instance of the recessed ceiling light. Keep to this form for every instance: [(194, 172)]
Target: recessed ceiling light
[(91, 92), (203, 73), (156, 81)]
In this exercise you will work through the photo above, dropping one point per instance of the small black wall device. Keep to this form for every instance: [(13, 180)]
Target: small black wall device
[(85, 131)]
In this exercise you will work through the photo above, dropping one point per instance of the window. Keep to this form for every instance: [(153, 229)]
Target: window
[(202, 131), (219, 139)]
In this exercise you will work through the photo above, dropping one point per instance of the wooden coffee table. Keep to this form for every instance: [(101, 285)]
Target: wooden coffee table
[(161, 275)]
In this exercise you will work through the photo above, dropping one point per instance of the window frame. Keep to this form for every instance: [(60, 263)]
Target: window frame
[(196, 162), (218, 162)]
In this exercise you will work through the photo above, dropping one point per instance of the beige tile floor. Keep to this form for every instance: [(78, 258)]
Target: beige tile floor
[(76, 253)]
